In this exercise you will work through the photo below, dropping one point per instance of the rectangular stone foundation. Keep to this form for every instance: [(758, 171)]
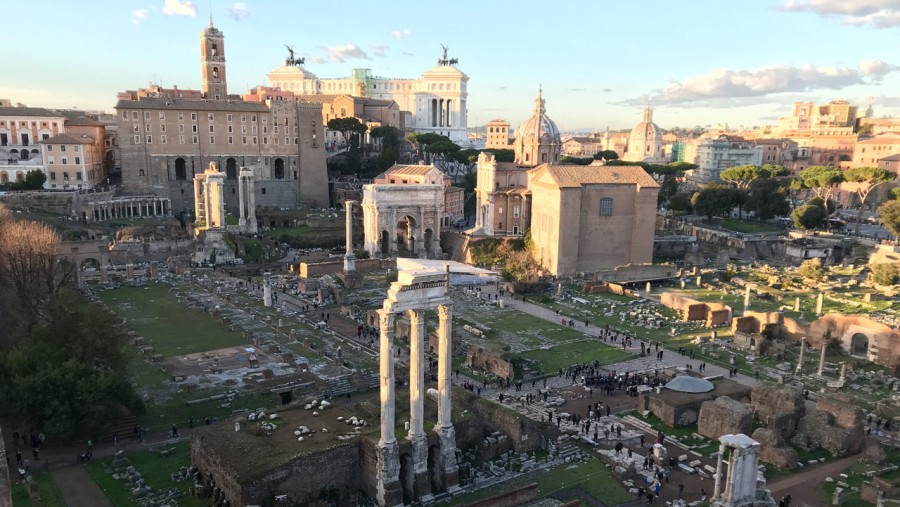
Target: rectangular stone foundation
[(351, 280)]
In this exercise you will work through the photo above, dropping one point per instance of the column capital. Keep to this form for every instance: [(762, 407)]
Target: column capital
[(387, 318), (415, 315), (445, 310)]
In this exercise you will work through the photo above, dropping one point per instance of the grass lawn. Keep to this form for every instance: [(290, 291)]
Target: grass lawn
[(593, 477), (20, 496), (563, 356), (156, 471), (168, 326), (747, 227), (45, 486), (175, 410)]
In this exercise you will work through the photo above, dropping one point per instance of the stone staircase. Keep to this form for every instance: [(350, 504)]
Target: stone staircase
[(340, 386), (568, 451)]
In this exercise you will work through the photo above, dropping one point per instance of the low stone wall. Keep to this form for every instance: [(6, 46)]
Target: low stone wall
[(714, 314), (520, 496), (308, 270), (484, 359), (637, 273)]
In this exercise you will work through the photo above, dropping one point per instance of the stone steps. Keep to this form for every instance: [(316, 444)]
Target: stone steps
[(340, 386)]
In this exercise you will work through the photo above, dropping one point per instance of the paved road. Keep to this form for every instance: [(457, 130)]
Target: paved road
[(804, 486), (77, 488)]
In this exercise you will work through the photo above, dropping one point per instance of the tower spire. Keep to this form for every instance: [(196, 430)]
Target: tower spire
[(210, 20), (539, 101)]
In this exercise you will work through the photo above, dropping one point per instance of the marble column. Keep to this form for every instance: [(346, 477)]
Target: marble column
[(820, 301), (717, 489), (242, 219), (802, 349), (648, 287), (797, 304), (349, 256), (747, 298), (416, 434), (388, 492), (444, 426), (267, 290), (822, 357), (843, 372)]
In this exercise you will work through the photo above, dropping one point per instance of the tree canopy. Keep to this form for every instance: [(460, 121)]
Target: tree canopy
[(889, 213), (713, 200), (606, 155), (501, 155), (820, 179), (768, 198), (743, 176), (808, 216)]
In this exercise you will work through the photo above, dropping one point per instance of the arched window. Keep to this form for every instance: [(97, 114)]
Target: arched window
[(231, 169), (606, 206), (215, 73), (180, 169), (215, 49), (279, 169)]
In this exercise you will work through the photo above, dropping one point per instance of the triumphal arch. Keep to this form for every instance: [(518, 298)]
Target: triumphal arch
[(402, 220), (413, 293)]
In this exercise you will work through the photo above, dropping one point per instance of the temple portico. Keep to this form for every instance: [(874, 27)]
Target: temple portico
[(412, 293), (741, 485)]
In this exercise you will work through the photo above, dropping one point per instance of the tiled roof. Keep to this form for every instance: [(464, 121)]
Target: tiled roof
[(579, 175), (188, 105), (27, 111), (79, 119), (67, 139), (411, 169), (891, 157)]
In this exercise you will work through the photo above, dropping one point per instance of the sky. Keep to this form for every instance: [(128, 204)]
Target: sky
[(599, 62)]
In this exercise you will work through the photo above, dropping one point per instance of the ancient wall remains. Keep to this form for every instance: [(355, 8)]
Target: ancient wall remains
[(487, 360), (308, 270), (774, 451), (724, 416)]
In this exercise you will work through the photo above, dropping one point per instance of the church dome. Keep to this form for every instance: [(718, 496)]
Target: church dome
[(539, 128), (645, 140)]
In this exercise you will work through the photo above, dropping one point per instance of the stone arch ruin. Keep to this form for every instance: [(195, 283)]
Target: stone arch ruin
[(402, 220)]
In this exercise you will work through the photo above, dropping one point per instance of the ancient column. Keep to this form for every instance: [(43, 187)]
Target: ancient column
[(388, 468), (349, 256), (797, 304), (820, 300), (802, 348), (717, 489), (242, 219), (747, 298), (822, 357), (699, 281), (416, 434), (648, 287), (267, 289), (843, 372), (129, 271), (444, 426)]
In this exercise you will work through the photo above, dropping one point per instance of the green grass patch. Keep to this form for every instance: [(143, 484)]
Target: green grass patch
[(563, 356), (47, 488), (156, 471), (175, 410), (593, 477), (167, 325), (747, 227), (20, 496)]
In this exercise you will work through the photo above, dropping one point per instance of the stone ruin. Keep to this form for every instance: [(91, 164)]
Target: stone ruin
[(779, 408), (835, 425), (774, 450), (724, 415), (479, 358)]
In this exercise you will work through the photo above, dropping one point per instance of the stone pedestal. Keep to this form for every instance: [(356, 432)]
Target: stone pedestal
[(449, 467), (352, 279), (129, 271), (390, 491)]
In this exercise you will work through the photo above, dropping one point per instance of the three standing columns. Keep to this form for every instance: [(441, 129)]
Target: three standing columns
[(389, 489)]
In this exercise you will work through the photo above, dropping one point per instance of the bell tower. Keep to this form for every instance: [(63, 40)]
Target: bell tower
[(212, 63)]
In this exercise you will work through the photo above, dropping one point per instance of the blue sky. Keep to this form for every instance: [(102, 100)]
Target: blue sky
[(697, 62)]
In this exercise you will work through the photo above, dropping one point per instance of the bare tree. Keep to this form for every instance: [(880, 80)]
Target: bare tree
[(31, 273)]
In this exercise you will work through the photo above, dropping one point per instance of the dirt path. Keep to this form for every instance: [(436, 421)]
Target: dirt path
[(77, 488), (804, 486)]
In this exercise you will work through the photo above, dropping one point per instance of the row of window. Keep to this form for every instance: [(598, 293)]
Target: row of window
[(63, 161), (62, 147), (65, 176), (34, 124), (229, 117), (212, 140), (148, 127)]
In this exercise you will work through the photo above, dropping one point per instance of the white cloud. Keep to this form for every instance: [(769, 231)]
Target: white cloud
[(179, 8), (725, 87), (876, 69), (238, 11), (379, 49), (138, 15), (345, 52), (401, 34), (877, 13)]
